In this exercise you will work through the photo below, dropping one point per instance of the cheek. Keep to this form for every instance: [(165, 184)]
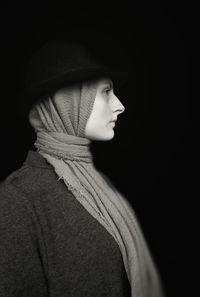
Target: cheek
[(103, 111), (98, 127)]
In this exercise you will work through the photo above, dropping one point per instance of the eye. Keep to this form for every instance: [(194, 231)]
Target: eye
[(107, 91)]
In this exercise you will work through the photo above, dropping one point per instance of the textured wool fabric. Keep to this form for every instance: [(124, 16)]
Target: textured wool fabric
[(50, 245), (59, 122)]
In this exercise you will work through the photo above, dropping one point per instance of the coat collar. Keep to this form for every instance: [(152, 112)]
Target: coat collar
[(34, 159)]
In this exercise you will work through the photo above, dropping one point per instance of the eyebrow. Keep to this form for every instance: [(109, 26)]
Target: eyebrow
[(110, 83)]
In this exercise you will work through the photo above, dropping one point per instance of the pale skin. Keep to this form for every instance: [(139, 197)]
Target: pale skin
[(106, 109)]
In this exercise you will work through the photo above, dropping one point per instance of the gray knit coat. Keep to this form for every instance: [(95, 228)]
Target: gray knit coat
[(49, 244)]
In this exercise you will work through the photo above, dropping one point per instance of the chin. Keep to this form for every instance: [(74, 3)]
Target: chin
[(107, 136), (102, 137), (100, 134)]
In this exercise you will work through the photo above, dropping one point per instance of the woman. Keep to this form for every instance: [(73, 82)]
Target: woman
[(65, 230)]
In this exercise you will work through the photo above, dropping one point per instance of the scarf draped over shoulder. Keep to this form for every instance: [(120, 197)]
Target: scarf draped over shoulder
[(59, 121)]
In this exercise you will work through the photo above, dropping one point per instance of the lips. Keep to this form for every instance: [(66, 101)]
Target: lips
[(113, 121)]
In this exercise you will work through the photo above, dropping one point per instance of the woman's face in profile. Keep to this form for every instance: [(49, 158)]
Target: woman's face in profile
[(105, 111)]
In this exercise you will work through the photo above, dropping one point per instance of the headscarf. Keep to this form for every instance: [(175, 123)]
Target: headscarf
[(59, 121)]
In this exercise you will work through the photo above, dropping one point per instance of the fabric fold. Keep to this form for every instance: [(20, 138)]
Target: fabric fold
[(71, 158)]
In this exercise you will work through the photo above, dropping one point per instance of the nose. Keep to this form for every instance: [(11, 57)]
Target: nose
[(118, 106)]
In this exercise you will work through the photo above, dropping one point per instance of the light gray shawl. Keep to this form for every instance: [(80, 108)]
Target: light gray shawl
[(59, 122)]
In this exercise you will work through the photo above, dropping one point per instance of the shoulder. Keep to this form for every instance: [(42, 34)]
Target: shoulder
[(34, 183), (27, 197)]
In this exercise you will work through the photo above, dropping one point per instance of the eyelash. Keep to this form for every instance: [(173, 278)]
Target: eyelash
[(107, 91)]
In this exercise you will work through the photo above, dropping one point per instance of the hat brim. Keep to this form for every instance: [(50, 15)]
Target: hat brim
[(35, 92)]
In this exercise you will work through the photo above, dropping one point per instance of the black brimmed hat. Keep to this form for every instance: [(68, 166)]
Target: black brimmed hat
[(58, 64)]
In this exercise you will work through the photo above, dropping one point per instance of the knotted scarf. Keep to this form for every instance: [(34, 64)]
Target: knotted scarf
[(59, 121)]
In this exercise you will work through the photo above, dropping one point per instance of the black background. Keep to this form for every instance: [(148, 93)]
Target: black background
[(152, 157)]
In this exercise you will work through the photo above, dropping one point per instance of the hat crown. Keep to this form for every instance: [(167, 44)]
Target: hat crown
[(59, 64), (56, 58)]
